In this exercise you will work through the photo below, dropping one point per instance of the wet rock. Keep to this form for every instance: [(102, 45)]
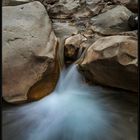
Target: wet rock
[(112, 61), (76, 44), (114, 20), (73, 48), (30, 70)]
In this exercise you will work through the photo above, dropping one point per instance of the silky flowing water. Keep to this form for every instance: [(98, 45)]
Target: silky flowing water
[(74, 111)]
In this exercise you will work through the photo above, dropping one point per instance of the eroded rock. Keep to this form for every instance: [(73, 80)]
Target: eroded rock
[(112, 61), (63, 10), (30, 70), (113, 21), (73, 48)]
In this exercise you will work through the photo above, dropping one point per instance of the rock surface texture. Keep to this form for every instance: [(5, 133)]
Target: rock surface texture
[(99, 35), (29, 65), (73, 48), (112, 61), (112, 21)]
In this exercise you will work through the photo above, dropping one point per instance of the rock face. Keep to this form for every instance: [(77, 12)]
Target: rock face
[(92, 20), (78, 24), (30, 70), (112, 61), (63, 9), (73, 48), (113, 21)]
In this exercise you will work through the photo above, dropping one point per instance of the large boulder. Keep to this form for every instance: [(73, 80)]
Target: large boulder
[(30, 69), (112, 61), (112, 21)]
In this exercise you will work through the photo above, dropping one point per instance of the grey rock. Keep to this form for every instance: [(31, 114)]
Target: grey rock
[(114, 20)]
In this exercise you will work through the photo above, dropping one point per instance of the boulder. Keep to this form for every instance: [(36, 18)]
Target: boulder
[(112, 61), (30, 69), (76, 44), (63, 30), (73, 48), (113, 21)]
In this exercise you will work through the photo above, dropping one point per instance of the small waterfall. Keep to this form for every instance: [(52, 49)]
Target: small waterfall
[(74, 111)]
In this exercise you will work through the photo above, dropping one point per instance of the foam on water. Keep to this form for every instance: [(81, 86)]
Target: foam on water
[(74, 111)]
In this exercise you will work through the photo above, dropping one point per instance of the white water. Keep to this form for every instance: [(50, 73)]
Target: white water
[(74, 111)]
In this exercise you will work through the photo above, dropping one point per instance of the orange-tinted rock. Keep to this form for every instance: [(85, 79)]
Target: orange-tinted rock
[(29, 48), (112, 61), (73, 48)]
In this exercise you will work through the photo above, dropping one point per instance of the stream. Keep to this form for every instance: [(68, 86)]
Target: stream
[(74, 111)]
